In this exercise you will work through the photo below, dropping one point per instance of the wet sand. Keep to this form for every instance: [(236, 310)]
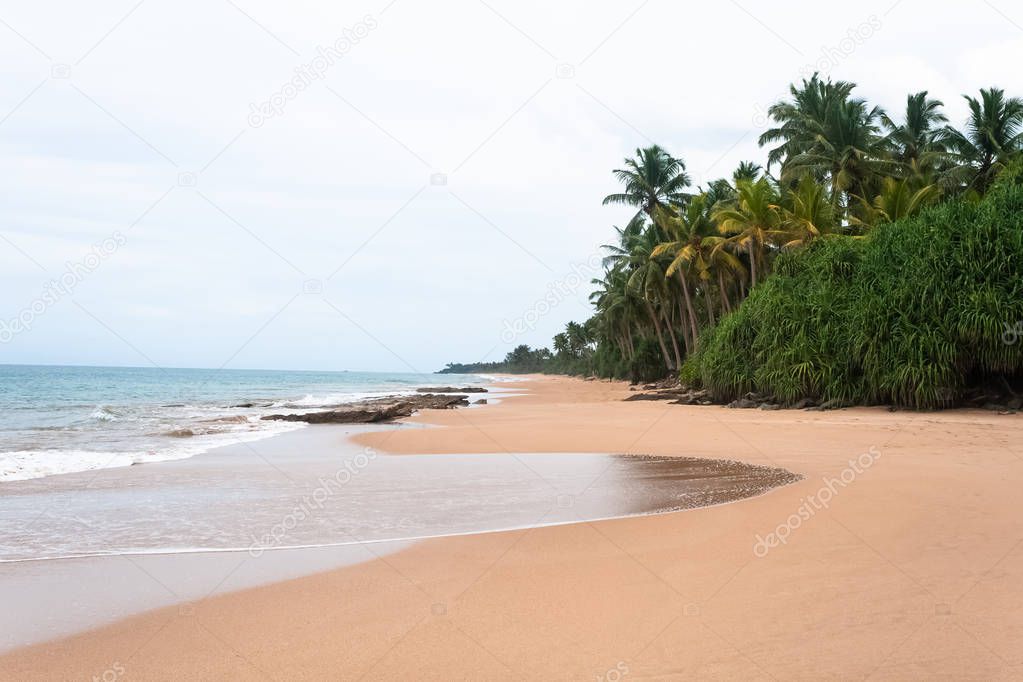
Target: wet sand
[(898, 556)]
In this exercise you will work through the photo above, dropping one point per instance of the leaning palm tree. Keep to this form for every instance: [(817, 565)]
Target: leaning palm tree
[(646, 280), (654, 178), (696, 249), (994, 134), (753, 222)]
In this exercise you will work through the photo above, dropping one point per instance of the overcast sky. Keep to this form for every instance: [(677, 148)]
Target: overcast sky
[(436, 176)]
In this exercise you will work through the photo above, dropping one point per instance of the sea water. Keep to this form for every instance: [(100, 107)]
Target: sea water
[(57, 420)]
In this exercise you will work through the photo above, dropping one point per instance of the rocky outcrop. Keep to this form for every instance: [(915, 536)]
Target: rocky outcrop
[(451, 389), (376, 411)]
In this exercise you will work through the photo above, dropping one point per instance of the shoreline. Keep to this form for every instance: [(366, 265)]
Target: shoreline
[(666, 576)]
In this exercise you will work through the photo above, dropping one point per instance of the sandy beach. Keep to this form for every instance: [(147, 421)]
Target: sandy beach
[(898, 556)]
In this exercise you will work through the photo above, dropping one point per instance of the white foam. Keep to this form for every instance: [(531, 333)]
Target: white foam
[(22, 465)]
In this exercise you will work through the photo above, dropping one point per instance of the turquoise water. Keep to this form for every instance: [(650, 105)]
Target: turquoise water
[(56, 419)]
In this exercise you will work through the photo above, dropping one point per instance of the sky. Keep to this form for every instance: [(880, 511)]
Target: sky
[(388, 185)]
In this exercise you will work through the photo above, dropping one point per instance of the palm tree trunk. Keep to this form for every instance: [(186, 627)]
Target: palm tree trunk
[(710, 305), (689, 307), (685, 326), (752, 266), (724, 292), (660, 335), (674, 342)]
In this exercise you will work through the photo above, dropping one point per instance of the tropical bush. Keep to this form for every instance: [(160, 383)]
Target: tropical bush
[(912, 314)]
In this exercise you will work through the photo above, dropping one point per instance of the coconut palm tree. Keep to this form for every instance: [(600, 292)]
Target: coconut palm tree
[(753, 222), (830, 135), (919, 141), (808, 213), (747, 170), (696, 249), (897, 199), (653, 178), (994, 134), (801, 118), (647, 281)]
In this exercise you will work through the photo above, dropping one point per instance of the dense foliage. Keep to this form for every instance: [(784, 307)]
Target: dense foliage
[(876, 258), (912, 315)]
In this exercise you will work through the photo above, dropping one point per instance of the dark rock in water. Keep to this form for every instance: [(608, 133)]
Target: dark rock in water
[(481, 401), (1015, 404), (770, 406), (376, 411), (804, 403), (452, 389), (995, 407)]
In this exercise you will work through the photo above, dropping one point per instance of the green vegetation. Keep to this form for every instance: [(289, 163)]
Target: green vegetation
[(875, 259)]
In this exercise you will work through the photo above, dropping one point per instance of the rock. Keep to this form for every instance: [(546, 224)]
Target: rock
[(995, 407), (667, 394), (804, 403), (372, 412), (770, 406), (742, 403), (481, 401), (829, 405), (1015, 404), (179, 433), (451, 389)]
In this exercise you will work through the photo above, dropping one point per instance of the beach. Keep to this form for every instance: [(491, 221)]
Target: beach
[(898, 555)]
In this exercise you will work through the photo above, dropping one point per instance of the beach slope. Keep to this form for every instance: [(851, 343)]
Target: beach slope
[(899, 555)]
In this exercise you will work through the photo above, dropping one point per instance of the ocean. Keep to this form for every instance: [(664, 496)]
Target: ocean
[(63, 419)]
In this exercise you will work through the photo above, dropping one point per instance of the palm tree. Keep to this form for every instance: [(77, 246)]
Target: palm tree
[(829, 135), (654, 178), (897, 199), (695, 246), (646, 280), (618, 309), (919, 141), (994, 133), (753, 222), (801, 118), (808, 213), (746, 170)]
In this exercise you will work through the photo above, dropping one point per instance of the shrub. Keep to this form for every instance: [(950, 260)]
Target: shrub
[(908, 315)]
